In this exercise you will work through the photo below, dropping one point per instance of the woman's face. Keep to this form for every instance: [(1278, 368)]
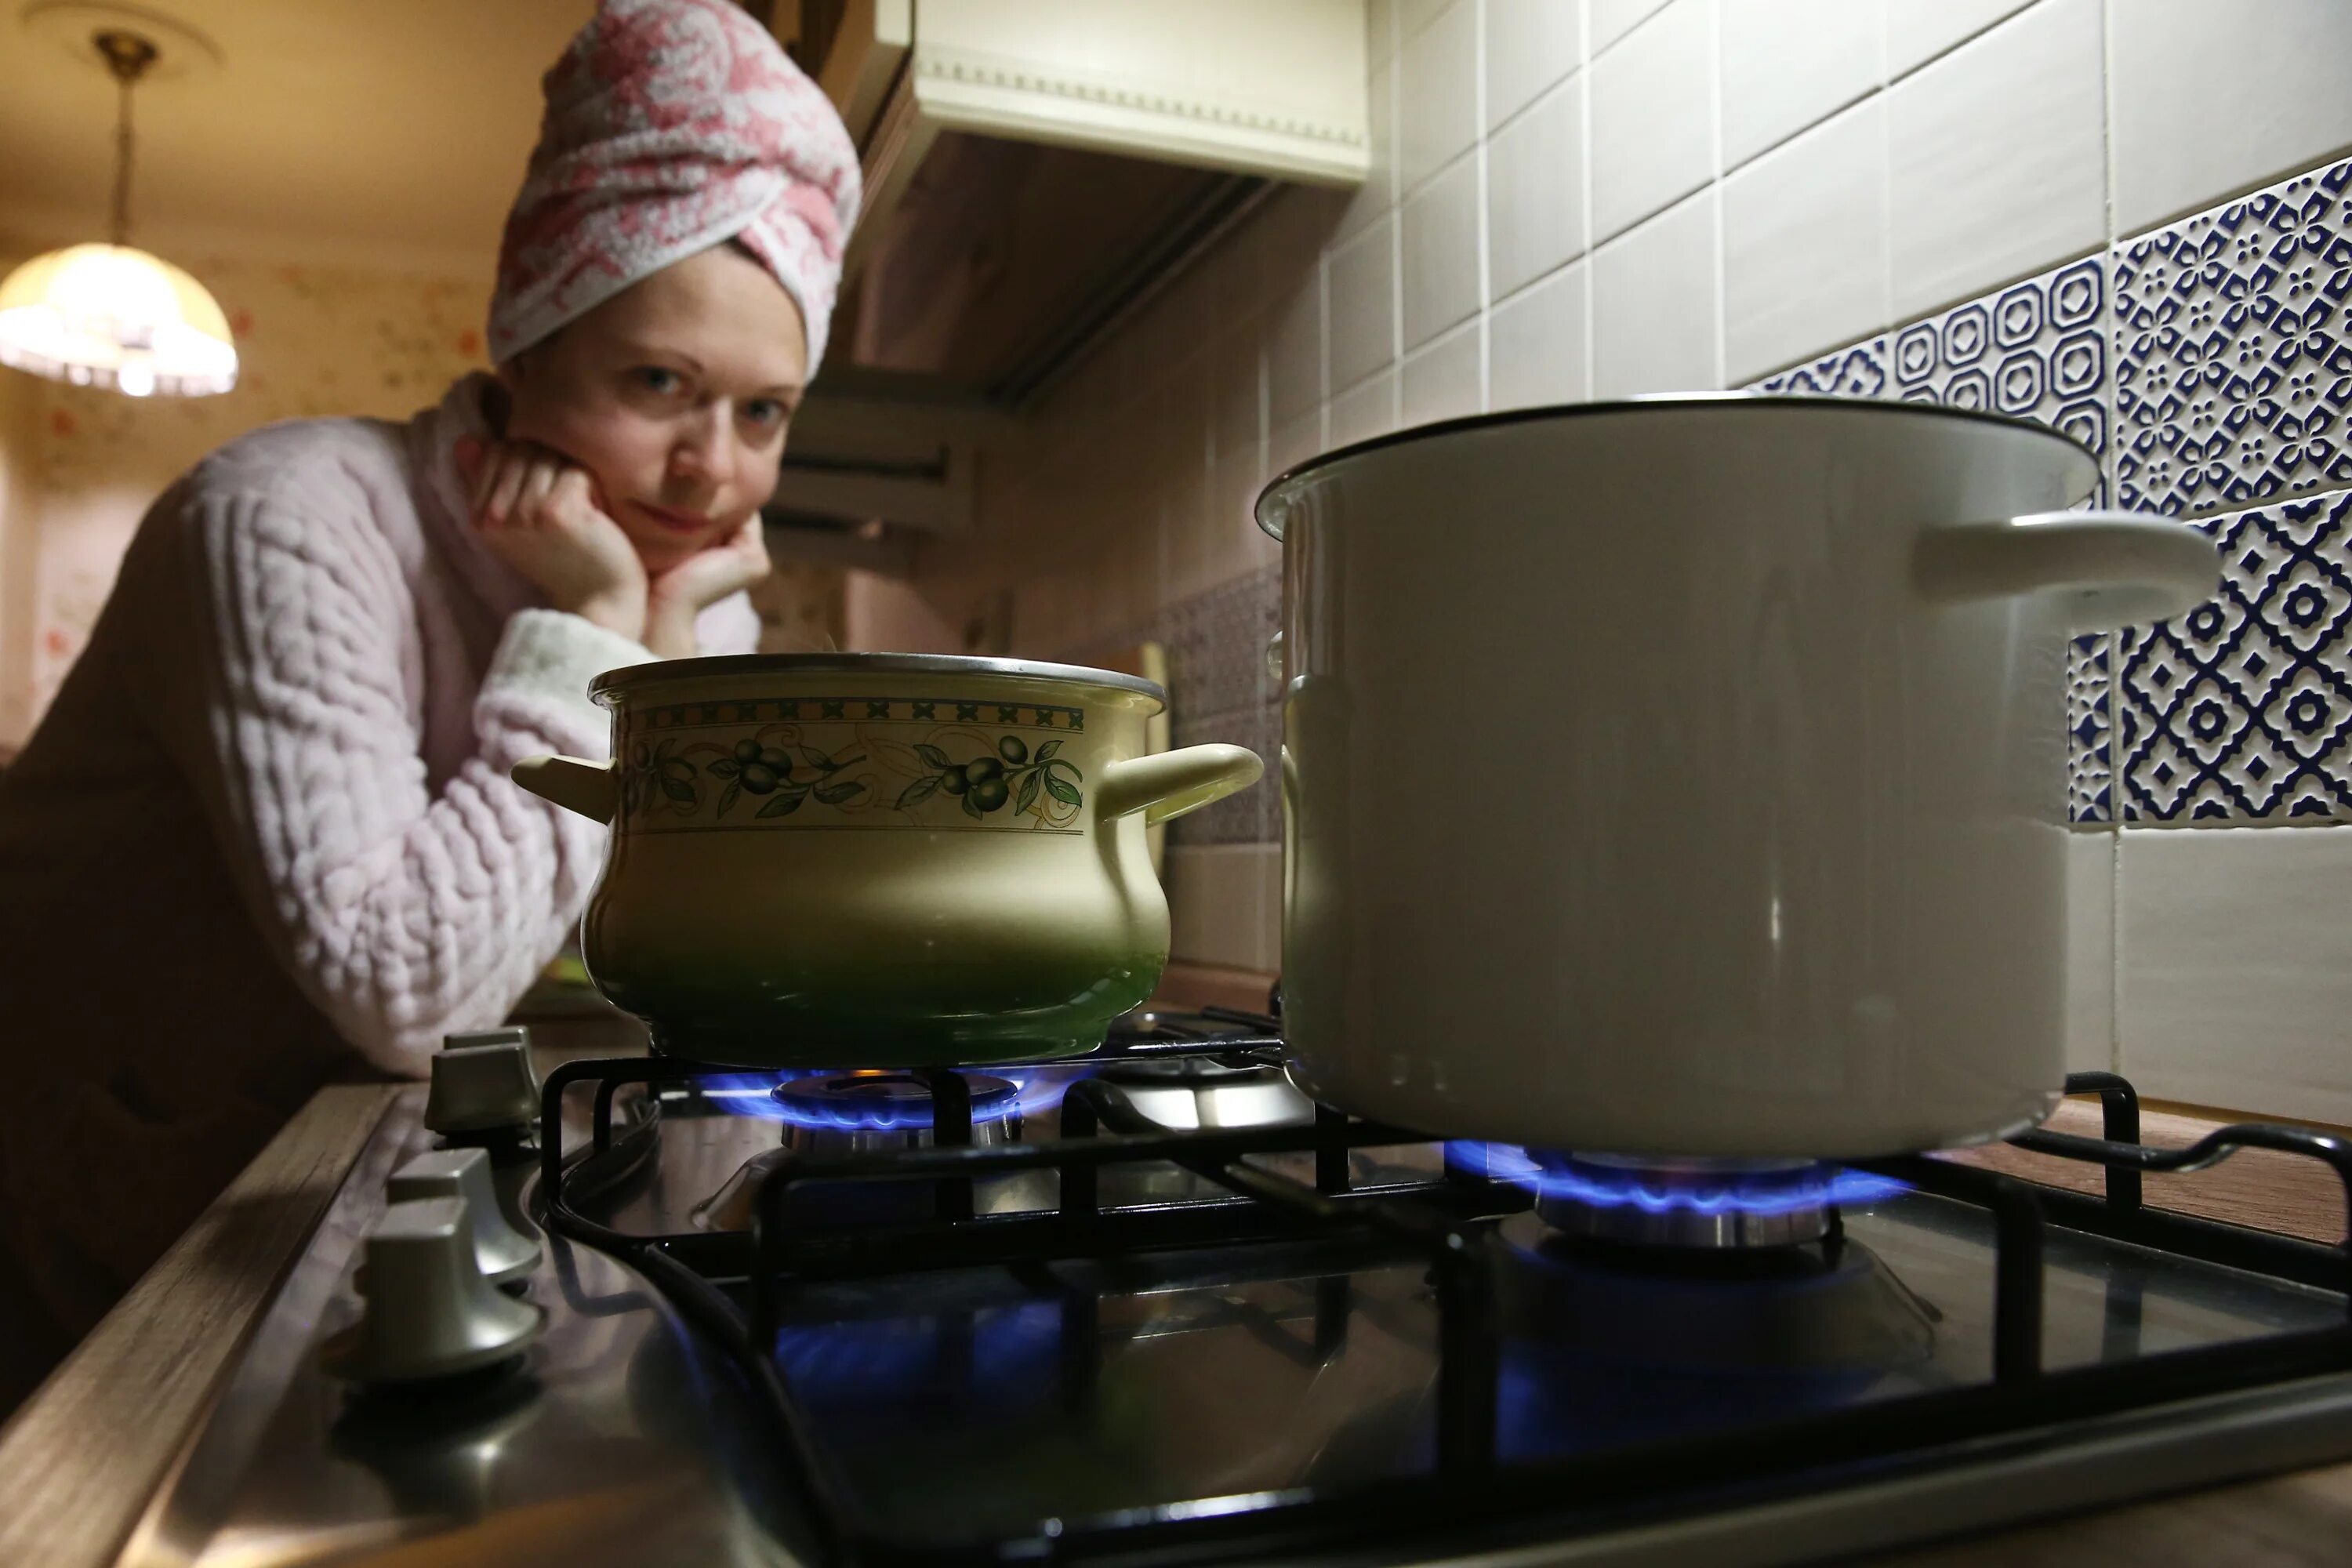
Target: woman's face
[(674, 395)]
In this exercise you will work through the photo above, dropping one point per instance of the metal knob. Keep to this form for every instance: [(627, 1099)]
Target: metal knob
[(481, 1087), (430, 1313), (502, 1253)]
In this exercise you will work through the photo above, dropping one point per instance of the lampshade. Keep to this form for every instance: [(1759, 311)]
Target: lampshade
[(107, 315)]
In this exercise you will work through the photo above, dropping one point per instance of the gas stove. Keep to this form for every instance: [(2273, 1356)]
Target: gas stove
[(1156, 1305)]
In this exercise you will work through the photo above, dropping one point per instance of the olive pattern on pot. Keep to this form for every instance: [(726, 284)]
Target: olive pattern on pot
[(742, 775)]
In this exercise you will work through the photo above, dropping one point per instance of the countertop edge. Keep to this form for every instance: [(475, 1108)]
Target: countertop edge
[(85, 1455)]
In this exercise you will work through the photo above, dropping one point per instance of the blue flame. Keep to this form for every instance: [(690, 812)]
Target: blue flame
[(1603, 1186), (753, 1094)]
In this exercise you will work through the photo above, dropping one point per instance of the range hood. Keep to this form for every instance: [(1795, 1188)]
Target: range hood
[(1036, 169)]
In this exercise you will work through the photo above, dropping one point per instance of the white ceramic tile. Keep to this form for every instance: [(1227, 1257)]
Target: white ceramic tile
[(1535, 191), (1441, 254), (1363, 412), (1289, 445), (1788, 64), (1654, 117), (1294, 352), (1919, 30), (1536, 343), (1269, 903), (2090, 950), (1804, 246), (1997, 158), (2212, 99), (1379, 31), (1215, 903), (1440, 382), (2235, 968), (1531, 45), (1437, 94), (1412, 16), (1377, 195), (1654, 308), (1237, 411), (1612, 19), (1363, 305)]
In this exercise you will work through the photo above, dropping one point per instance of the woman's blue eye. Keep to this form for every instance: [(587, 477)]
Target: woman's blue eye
[(764, 411), (654, 378)]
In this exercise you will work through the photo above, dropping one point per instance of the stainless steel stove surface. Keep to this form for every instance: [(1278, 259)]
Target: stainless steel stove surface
[(1282, 1335)]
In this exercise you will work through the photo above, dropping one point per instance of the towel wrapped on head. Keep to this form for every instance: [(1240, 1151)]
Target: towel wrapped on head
[(673, 126)]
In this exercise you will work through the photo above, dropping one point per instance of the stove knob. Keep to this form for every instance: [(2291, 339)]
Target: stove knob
[(430, 1313), (504, 1254), (482, 1087)]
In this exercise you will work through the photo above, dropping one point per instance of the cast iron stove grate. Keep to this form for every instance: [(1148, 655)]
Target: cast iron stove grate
[(1472, 1494)]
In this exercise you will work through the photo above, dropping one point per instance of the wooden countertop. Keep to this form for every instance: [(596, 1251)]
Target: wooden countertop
[(80, 1461)]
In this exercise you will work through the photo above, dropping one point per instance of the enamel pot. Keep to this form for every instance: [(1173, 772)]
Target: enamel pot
[(1688, 777), (880, 859)]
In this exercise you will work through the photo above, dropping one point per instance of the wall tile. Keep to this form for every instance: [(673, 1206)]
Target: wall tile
[(2234, 969), (1379, 31), (2037, 349), (2211, 99), (1366, 410), (1856, 372), (1997, 157), (1294, 352), (1363, 305), (1536, 345), (1654, 324), (1530, 46), (2091, 950), (1250, 816), (1804, 245), (1440, 253), (1919, 30), (1216, 645), (2233, 346), (1437, 95), (2243, 709), (1440, 382), (1215, 899), (1237, 412), (1378, 193), (1654, 117), (1612, 19), (1412, 16), (1289, 445), (1535, 191), (1788, 64), (2090, 728)]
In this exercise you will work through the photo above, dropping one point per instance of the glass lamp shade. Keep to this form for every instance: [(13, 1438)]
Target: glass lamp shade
[(107, 315)]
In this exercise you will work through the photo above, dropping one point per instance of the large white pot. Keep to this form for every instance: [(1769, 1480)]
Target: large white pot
[(1687, 776)]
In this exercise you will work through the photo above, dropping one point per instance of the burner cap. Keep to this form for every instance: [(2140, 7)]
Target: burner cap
[(881, 1102)]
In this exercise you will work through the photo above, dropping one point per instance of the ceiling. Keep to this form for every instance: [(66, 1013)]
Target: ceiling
[(355, 126)]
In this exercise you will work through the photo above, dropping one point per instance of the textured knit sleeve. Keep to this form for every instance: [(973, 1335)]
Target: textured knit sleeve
[(403, 911)]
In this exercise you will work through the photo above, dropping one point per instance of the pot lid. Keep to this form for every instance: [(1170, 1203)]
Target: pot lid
[(1272, 520), (787, 664)]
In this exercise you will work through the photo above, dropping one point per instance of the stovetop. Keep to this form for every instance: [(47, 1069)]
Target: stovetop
[(1059, 1329)]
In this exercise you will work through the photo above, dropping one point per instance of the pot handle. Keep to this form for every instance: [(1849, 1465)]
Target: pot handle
[(592, 789), (1173, 782), (2113, 568)]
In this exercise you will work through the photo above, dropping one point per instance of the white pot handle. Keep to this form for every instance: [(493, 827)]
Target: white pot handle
[(2113, 568)]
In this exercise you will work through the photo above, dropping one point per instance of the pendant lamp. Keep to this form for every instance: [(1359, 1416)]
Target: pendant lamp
[(109, 315)]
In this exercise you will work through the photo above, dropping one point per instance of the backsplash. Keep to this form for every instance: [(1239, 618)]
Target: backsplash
[(2040, 208)]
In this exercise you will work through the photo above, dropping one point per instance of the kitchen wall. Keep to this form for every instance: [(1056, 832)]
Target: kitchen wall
[(2121, 217)]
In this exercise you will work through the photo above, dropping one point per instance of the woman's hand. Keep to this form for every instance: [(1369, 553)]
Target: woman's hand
[(537, 509), (702, 580)]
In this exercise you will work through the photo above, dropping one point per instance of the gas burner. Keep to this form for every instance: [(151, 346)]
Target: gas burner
[(1187, 1093), (1667, 1203), (865, 1112)]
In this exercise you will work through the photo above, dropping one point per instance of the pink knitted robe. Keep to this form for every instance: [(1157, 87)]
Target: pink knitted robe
[(266, 835)]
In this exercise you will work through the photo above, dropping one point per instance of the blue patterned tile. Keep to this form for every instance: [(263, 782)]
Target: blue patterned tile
[(1856, 372), (2036, 350), (2090, 724), (2241, 710), (2233, 350)]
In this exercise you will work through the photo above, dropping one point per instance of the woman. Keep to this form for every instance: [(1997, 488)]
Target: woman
[(265, 835)]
